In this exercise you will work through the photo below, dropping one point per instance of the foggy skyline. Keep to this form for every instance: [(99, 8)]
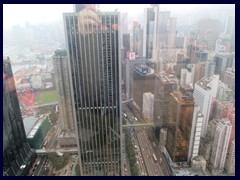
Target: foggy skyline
[(19, 14)]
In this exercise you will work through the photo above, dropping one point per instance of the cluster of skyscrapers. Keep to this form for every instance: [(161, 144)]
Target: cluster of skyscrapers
[(183, 92)]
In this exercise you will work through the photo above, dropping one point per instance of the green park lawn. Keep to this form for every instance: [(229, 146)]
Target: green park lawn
[(46, 97)]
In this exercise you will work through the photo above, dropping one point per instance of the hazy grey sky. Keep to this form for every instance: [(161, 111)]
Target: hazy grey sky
[(14, 14)]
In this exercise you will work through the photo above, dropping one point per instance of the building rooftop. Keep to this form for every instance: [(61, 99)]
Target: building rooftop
[(187, 171), (222, 54), (148, 94), (168, 79), (36, 126), (207, 82)]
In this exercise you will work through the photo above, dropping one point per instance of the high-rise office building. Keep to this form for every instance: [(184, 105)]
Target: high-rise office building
[(165, 25), (207, 141), (67, 137), (220, 144), (124, 23), (17, 155), (181, 63), (181, 108), (95, 77), (209, 68), (209, 30), (148, 28), (230, 25), (199, 71), (201, 56), (229, 78), (191, 45), (172, 32), (126, 44), (137, 38), (222, 62), (164, 85), (205, 90), (138, 82)]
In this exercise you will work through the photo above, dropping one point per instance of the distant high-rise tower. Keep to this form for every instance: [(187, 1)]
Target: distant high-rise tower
[(222, 62), (230, 25), (209, 68), (205, 90), (60, 62), (137, 32), (95, 78), (209, 30), (17, 155), (63, 87), (229, 78), (126, 44), (148, 27), (220, 144)]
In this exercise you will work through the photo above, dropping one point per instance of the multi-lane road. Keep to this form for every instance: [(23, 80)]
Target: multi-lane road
[(154, 166)]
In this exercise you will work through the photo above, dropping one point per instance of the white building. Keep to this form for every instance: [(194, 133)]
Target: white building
[(205, 89), (195, 133), (185, 77), (220, 143), (148, 103)]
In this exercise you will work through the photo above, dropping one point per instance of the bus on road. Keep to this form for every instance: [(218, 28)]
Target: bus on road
[(154, 157)]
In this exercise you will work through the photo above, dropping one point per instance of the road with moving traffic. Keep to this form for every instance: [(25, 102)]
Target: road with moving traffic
[(147, 148)]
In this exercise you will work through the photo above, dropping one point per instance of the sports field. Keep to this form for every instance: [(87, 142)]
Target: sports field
[(46, 97)]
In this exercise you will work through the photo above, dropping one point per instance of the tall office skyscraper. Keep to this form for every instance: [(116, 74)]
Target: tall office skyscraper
[(67, 137), (230, 25), (229, 78), (181, 107), (204, 92), (148, 27), (63, 86), (222, 62), (137, 38), (164, 85), (17, 155), (95, 76)]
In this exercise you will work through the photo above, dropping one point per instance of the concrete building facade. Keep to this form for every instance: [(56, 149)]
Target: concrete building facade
[(220, 143), (148, 102), (204, 92)]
